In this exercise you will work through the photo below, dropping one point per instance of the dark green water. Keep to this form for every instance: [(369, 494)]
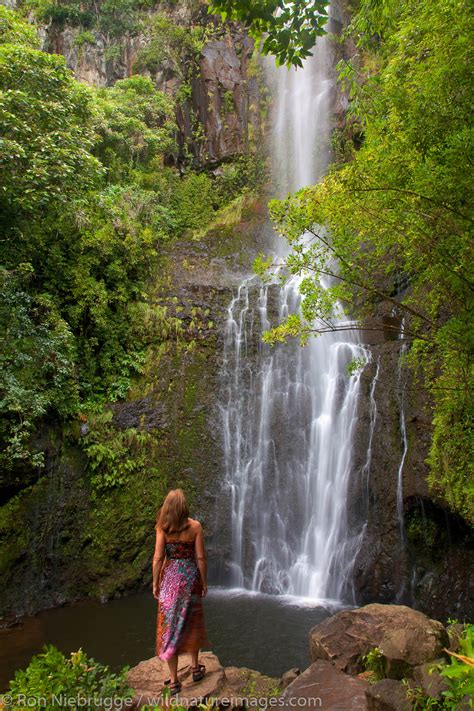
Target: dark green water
[(262, 632)]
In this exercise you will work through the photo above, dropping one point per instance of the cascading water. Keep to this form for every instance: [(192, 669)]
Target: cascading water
[(403, 432), (288, 412)]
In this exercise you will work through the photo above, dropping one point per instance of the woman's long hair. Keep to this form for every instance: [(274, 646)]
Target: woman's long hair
[(173, 515)]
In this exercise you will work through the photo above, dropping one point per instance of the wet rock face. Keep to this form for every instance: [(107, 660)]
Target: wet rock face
[(225, 97), (412, 549)]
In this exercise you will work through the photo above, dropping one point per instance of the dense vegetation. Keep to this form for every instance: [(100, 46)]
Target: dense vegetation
[(398, 212), (53, 679), (95, 184), (87, 200)]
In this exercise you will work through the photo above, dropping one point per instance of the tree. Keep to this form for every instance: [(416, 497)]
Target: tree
[(289, 29), (47, 131), (398, 220)]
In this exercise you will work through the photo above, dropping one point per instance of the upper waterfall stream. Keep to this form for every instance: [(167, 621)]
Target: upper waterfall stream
[(288, 413)]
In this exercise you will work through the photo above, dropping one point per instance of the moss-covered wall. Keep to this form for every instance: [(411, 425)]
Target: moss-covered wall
[(85, 527)]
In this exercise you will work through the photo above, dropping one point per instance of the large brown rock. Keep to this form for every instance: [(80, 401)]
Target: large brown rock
[(323, 686), (231, 687), (147, 679), (406, 637), (427, 677), (387, 695)]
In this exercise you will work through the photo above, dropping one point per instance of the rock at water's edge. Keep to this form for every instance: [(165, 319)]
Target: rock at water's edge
[(323, 686), (387, 695), (406, 637), (229, 686)]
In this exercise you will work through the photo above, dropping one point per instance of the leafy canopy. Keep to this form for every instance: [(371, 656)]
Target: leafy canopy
[(289, 30), (398, 217)]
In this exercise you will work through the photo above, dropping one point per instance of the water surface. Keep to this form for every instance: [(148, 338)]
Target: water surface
[(262, 632)]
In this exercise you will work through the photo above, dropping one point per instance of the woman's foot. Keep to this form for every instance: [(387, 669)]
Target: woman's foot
[(198, 672), (175, 688)]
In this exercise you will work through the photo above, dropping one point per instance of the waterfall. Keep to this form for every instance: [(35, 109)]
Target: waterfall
[(403, 432), (373, 419), (289, 413)]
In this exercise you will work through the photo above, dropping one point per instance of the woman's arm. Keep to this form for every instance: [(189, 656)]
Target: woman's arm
[(201, 557), (158, 559)]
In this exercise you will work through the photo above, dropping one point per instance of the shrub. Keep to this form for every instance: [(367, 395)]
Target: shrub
[(51, 674)]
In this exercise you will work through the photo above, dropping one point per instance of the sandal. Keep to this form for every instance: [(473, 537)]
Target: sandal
[(175, 688), (198, 672)]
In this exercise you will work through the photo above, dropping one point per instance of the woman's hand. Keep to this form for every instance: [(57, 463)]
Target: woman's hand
[(156, 591), (204, 590)]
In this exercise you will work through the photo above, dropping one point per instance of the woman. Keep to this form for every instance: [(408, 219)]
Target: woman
[(179, 585)]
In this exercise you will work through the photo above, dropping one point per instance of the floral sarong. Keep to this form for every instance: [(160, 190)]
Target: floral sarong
[(180, 621)]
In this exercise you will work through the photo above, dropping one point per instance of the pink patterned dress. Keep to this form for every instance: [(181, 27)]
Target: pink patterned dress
[(180, 621)]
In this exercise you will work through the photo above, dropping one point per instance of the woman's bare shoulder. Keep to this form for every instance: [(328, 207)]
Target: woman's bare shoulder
[(194, 523)]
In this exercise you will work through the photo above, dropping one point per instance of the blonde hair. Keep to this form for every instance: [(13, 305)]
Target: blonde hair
[(173, 514)]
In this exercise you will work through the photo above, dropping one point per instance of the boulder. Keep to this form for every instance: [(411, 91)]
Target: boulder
[(146, 679), (289, 676), (231, 687), (323, 686), (428, 678), (387, 695), (406, 637), (410, 646), (455, 632)]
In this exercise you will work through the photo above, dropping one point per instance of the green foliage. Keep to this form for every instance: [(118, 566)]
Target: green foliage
[(171, 43), (114, 18), (115, 455), (246, 173), (136, 125), (37, 367), (289, 29), (14, 30), (373, 662), (397, 216), (193, 200), (68, 12), (83, 38), (356, 365), (421, 531), (51, 673), (45, 152), (459, 674)]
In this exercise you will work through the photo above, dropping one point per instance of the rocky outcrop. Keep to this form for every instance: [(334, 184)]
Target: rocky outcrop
[(322, 685), (409, 646), (406, 638), (412, 549), (387, 695), (229, 687), (334, 680), (219, 112), (226, 98)]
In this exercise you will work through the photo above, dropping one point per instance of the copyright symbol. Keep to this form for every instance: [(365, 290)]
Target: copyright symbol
[(6, 699)]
